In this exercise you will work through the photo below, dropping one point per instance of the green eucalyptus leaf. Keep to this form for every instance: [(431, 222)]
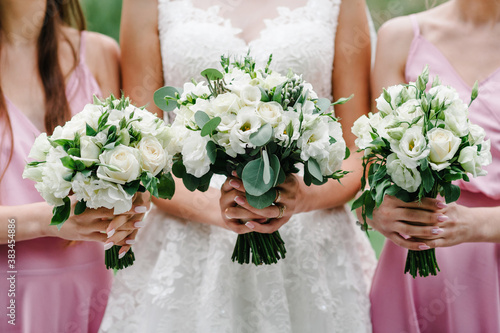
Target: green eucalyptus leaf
[(210, 127), (212, 151), (165, 98), (276, 166), (262, 136), (262, 201), (266, 176), (212, 74), (253, 178), (201, 118), (323, 104), (314, 169)]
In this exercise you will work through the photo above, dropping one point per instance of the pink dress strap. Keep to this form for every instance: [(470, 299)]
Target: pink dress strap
[(415, 25)]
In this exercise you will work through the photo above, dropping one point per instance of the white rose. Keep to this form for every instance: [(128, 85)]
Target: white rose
[(153, 157), (274, 79), (40, 148), (108, 195), (485, 153), (471, 161), (443, 146), (456, 118), (476, 134), (89, 151), (125, 164), (34, 173), (270, 112), (444, 94), (194, 154), (408, 179), (250, 95), (412, 147), (226, 103)]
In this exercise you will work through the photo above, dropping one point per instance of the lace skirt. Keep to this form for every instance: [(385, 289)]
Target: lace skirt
[(184, 281)]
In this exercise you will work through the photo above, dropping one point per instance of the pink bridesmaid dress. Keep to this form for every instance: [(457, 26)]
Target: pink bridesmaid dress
[(59, 287), (465, 295)]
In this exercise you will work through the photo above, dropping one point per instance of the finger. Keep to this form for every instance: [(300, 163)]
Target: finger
[(129, 240), (124, 249), (410, 244), (115, 224), (428, 204), (237, 226), (119, 236), (268, 227), (419, 216), (97, 237), (239, 213), (227, 198), (427, 232), (268, 212)]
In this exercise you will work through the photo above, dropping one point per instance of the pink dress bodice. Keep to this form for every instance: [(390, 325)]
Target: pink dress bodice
[(60, 287), (465, 296)]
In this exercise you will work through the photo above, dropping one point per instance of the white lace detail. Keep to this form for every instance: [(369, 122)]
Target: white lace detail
[(183, 279)]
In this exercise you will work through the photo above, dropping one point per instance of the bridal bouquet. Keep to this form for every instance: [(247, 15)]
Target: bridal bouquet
[(103, 156), (415, 146), (259, 123)]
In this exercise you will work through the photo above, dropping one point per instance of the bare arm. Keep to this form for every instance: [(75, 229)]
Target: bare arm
[(142, 76)]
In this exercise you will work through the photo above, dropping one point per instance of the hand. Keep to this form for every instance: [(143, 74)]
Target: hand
[(102, 225), (234, 207), (413, 225)]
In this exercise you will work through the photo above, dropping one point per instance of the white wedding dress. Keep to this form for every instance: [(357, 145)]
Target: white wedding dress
[(183, 279)]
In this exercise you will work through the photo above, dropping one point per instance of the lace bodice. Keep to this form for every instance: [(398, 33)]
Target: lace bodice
[(301, 39)]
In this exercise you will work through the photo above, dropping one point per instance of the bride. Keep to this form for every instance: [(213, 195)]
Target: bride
[(183, 279)]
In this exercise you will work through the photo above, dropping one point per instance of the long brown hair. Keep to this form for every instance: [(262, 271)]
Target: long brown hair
[(57, 14)]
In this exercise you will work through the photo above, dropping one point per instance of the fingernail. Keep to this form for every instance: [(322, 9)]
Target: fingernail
[(130, 241), (239, 200), (405, 236), (111, 232), (441, 205), (225, 213), (109, 245), (437, 231), (423, 247), (234, 173), (141, 209), (139, 224), (121, 255), (234, 183), (442, 218), (250, 225)]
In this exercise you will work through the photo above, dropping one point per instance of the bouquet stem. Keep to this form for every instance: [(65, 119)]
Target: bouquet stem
[(422, 262), (264, 248), (112, 261)]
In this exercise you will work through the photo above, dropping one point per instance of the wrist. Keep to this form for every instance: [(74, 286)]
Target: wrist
[(482, 224)]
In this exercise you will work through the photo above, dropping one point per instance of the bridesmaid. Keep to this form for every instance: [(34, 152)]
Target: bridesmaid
[(49, 71), (459, 40)]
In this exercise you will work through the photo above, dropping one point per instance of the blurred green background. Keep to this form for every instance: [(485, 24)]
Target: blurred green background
[(104, 17)]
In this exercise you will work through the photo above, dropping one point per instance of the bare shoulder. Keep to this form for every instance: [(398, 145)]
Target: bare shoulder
[(396, 31), (102, 56)]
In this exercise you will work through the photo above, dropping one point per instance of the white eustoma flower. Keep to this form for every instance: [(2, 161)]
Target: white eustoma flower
[(382, 105), (314, 141), (185, 115), (309, 88), (361, 129), (336, 152), (407, 178), (34, 173), (247, 123), (456, 118), (53, 187), (471, 161), (476, 134), (444, 94), (280, 132), (40, 148), (152, 155), (270, 112), (199, 89), (194, 154), (443, 146), (124, 163), (108, 195), (412, 147)]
